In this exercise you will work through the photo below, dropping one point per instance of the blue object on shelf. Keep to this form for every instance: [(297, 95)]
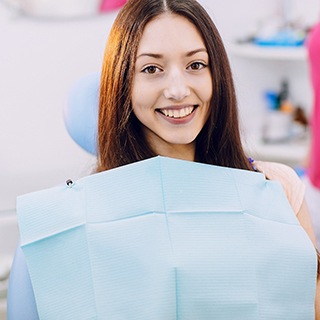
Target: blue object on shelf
[(284, 38), (271, 100)]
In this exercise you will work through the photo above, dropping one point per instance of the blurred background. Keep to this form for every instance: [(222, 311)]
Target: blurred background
[(47, 46)]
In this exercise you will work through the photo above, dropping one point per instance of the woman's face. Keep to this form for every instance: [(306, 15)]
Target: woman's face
[(172, 85)]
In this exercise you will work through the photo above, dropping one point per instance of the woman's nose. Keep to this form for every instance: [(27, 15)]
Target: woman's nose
[(176, 86)]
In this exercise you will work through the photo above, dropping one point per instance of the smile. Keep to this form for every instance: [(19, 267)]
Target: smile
[(177, 113)]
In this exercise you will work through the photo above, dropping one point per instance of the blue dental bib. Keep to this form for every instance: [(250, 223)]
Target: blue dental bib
[(167, 239)]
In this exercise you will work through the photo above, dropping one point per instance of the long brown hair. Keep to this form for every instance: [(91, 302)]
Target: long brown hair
[(120, 139)]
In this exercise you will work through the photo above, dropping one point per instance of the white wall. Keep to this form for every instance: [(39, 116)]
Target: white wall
[(40, 60)]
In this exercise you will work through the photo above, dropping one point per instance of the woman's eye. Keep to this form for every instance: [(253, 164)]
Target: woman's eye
[(151, 69), (197, 66)]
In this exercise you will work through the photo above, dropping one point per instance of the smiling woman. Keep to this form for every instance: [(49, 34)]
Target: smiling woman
[(177, 221), (172, 86), (169, 56)]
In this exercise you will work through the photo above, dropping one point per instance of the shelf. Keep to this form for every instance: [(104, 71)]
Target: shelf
[(270, 53), (292, 153)]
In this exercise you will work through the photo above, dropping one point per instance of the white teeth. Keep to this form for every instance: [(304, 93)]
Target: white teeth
[(180, 113), (165, 112), (176, 113)]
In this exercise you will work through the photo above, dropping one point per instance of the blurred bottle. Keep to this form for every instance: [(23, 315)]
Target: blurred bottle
[(284, 102), (278, 120)]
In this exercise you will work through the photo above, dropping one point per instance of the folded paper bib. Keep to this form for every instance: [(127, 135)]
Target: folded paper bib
[(166, 239)]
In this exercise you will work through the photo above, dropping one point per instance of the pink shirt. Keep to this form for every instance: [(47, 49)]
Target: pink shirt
[(313, 46)]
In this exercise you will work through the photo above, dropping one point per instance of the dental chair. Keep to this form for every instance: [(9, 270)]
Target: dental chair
[(80, 116), (81, 112)]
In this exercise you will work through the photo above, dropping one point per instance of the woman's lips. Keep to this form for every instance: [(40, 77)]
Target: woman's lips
[(177, 112)]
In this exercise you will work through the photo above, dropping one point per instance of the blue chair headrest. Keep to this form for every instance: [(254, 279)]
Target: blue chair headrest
[(81, 112)]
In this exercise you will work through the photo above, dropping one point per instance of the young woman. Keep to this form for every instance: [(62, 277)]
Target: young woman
[(167, 90)]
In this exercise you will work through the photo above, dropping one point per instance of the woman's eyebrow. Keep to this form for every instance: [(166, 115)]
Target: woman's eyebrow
[(159, 56), (152, 55), (193, 52)]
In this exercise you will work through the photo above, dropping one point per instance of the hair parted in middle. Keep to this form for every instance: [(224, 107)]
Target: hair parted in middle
[(120, 137)]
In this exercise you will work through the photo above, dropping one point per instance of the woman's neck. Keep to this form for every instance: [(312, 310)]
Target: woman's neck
[(182, 152)]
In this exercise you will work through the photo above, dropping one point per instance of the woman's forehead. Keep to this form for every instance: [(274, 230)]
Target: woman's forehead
[(170, 32)]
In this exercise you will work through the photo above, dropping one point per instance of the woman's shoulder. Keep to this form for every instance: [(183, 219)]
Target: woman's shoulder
[(290, 181)]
